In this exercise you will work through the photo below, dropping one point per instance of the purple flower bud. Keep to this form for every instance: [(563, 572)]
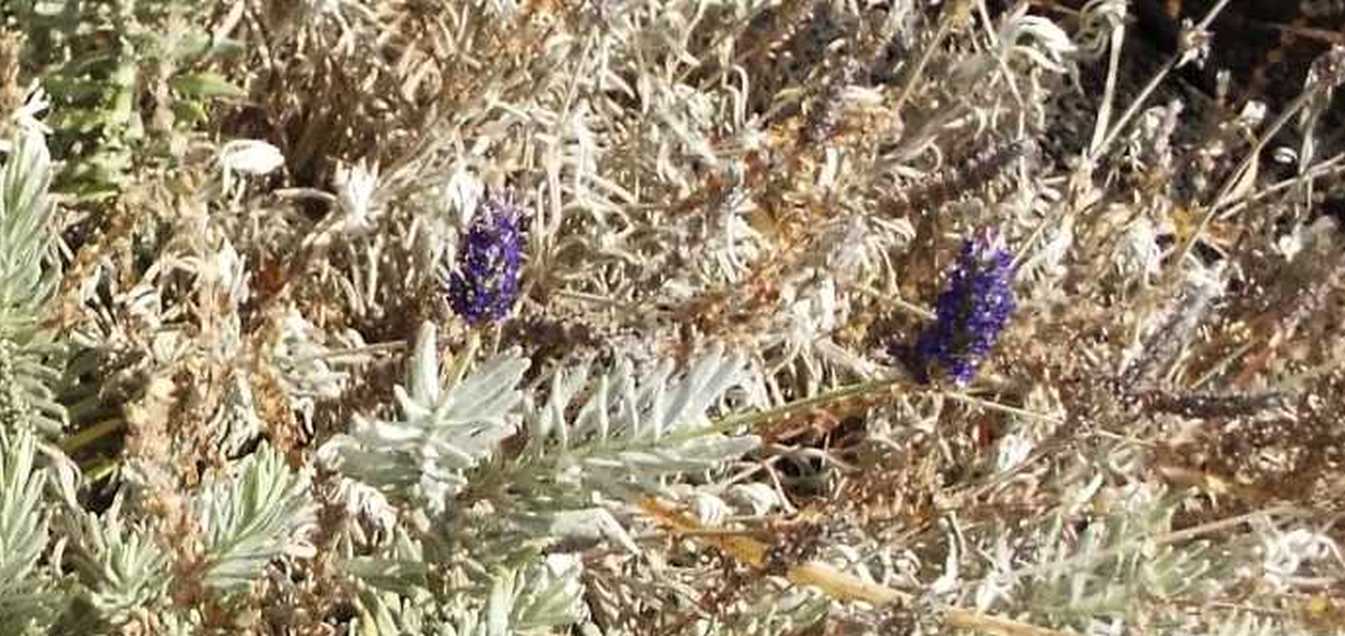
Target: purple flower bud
[(972, 311), (485, 285)]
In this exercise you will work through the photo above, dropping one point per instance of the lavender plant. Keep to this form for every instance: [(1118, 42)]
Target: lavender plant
[(230, 401), (24, 534), (28, 275), (973, 309), (485, 285)]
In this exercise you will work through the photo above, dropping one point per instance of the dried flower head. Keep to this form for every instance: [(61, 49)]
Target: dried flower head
[(485, 285), (972, 311)]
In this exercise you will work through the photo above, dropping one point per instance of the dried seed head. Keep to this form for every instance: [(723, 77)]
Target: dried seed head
[(1193, 43), (1328, 70), (1166, 343)]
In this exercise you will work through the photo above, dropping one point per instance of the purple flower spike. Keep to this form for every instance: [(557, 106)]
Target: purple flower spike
[(485, 285), (973, 309)]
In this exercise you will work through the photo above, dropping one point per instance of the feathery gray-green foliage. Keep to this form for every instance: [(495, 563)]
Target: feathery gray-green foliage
[(258, 515), (28, 276), (236, 395), (23, 533)]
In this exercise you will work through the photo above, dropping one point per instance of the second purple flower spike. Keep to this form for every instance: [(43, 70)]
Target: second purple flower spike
[(972, 311), (485, 284)]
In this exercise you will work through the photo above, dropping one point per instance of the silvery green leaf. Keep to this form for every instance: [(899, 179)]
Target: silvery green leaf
[(400, 567), (534, 599), (631, 429), (489, 393), (382, 469), (423, 374), (28, 276), (646, 425), (394, 575), (698, 453), (120, 564), (261, 514), (387, 614), (565, 386), (442, 432), (498, 606), (549, 594), (589, 525), (23, 529), (26, 397), (705, 383)]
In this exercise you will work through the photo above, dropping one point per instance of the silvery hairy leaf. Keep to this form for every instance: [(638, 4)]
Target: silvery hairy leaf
[(261, 514), (442, 430), (633, 424), (23, 529), (28, 276)]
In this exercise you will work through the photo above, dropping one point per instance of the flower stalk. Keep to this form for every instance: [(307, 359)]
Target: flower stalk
[(485, 285), (972, 311)]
